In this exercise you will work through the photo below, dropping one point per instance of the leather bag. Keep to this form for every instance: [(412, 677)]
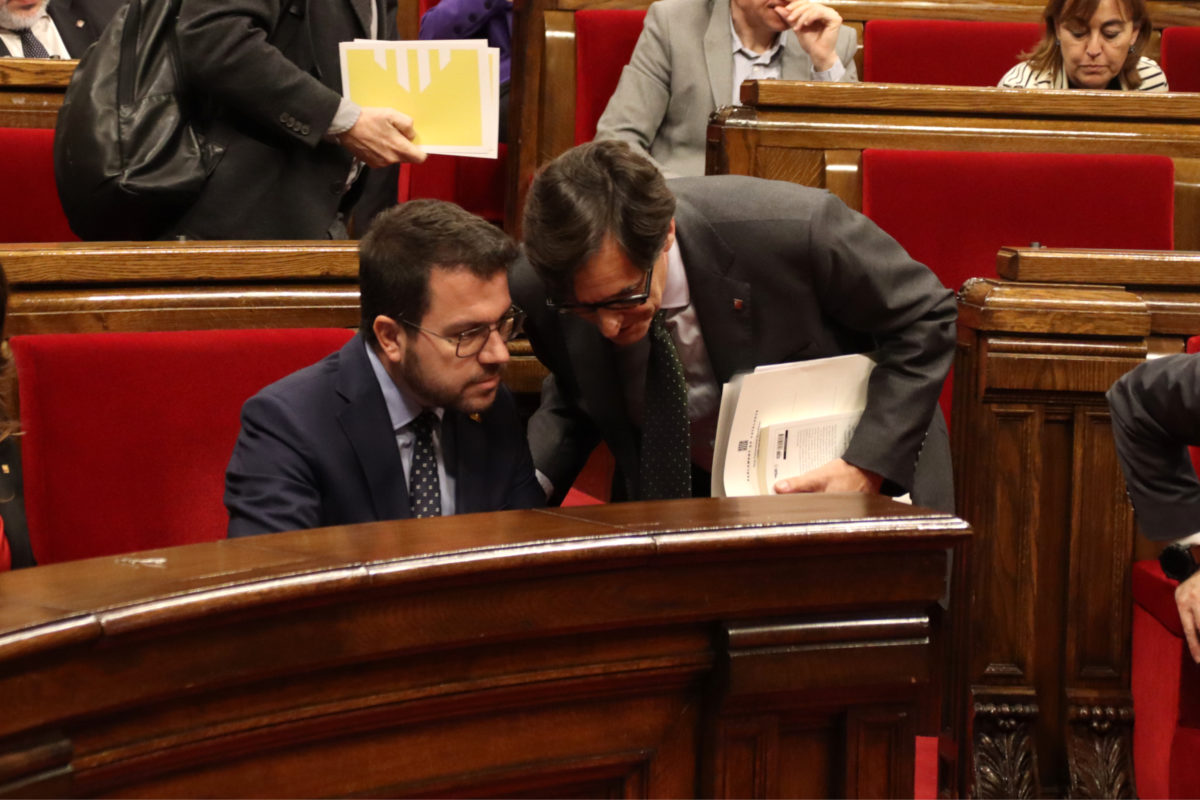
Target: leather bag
[(127, 159)]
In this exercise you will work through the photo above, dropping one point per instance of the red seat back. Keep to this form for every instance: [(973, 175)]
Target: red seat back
[(939, 51), (604, 42), (127, 435), (952, 211), (477, 184), (32, 210), (1180, 58)]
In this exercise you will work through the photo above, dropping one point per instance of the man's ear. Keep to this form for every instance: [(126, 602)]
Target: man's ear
[(670, 235), (391, 339)]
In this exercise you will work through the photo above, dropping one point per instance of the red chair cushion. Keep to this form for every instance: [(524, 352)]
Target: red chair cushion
[(127, 435), (604, 42), (27, 172), (1180, 58), (952, 211), (944, 51), (476, 184)]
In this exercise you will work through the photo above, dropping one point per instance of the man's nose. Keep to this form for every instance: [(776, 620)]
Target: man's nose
[(495, 349), (609, 322)]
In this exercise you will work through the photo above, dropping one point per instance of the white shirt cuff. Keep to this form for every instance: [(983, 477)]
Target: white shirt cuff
[(344, 119), (834, 73)]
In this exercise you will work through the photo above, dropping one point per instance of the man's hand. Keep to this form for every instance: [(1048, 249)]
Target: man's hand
[(1187, 598), (816, 28), (835, 476), (381, 137)]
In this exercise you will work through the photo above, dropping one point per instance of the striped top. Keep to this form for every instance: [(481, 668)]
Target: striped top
[(1022, 76)]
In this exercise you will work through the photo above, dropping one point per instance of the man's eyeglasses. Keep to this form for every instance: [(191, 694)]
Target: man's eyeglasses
[(470, 342), (623, 303)]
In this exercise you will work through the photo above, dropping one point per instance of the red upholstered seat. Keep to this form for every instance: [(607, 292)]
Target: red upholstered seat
[(1180, 58), (127, 435), (604, 42), (1166, 691), (476, 184), (950, 52), (27, 173), (952, 211)]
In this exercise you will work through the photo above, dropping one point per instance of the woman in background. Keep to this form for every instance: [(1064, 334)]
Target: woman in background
[(1091, 44)]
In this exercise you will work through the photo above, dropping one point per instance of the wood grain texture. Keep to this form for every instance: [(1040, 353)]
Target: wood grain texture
[(677, 649), (1036, 475)]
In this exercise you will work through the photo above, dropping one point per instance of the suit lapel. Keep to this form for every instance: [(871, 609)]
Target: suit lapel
[(796, 64), (466, 459), (722, 301), (366, 424), (362, 10), (718, 54)]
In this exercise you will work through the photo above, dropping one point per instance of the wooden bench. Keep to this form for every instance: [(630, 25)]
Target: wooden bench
[(31, 91), (164, 286), (543, 99), (1036, 475), (778, 647), (815, 133)]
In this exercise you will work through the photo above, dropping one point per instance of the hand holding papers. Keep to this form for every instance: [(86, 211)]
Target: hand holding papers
[(450, 89), (783, 420)]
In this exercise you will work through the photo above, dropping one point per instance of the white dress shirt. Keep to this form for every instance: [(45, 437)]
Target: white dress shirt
[(749, 65), (43, 28)]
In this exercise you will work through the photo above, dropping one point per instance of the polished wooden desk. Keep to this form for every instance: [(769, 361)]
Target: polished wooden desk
[(31, 91), (815, 133), (1037, 477), (764, 647)]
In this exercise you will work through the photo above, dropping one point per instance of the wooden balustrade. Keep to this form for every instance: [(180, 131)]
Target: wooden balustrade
[(778, 646)]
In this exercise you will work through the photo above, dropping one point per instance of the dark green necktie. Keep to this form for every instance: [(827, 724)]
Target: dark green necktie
[(666, 453)]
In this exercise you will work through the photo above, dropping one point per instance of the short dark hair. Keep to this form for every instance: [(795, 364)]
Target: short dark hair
[(588, 192), (406, 242)]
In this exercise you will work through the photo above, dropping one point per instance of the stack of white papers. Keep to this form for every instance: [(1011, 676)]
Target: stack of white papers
[(450, 88)]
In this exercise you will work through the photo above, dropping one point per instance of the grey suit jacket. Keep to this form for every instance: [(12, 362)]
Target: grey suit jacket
[(680, 72), (777, 272), (1156, 414), (272, 75)]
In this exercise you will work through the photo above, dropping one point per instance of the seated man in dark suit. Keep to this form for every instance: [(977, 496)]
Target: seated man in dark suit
[(408, 419), (52, 28), (720, 274), (1156, 415)]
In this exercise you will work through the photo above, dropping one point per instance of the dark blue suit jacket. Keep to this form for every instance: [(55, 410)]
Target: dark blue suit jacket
[(317, 448)]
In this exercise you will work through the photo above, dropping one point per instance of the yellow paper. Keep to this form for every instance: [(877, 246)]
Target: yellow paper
[(440, 89)]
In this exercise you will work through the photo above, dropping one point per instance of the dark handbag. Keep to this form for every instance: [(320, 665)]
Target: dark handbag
[(127, 159)]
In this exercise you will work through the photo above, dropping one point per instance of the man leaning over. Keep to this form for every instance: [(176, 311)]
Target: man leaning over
[(627, 272)]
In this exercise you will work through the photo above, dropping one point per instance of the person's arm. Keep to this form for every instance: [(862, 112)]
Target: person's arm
[(224, 48), (269, 484), (1156, 415), (460, 19), (816, 27), (866, 282), (636, 110)]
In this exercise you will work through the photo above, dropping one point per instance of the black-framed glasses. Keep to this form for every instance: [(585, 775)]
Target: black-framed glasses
[(623, 303), (471, 341)]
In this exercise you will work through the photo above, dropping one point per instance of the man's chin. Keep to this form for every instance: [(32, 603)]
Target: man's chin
[(476, 400)]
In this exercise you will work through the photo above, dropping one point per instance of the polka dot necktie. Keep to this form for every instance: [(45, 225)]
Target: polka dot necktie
[(30, 44), (424, 490), (666, 453)]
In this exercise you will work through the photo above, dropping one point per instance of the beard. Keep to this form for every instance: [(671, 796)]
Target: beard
[(19, 21), (435, 393)]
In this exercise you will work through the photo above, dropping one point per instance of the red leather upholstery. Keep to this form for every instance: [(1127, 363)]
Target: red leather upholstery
[(1180, 58), (27, 166), (127, 435), (950, 52), (952, 211), (476, 184), (604, 42), (1166, 691)]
